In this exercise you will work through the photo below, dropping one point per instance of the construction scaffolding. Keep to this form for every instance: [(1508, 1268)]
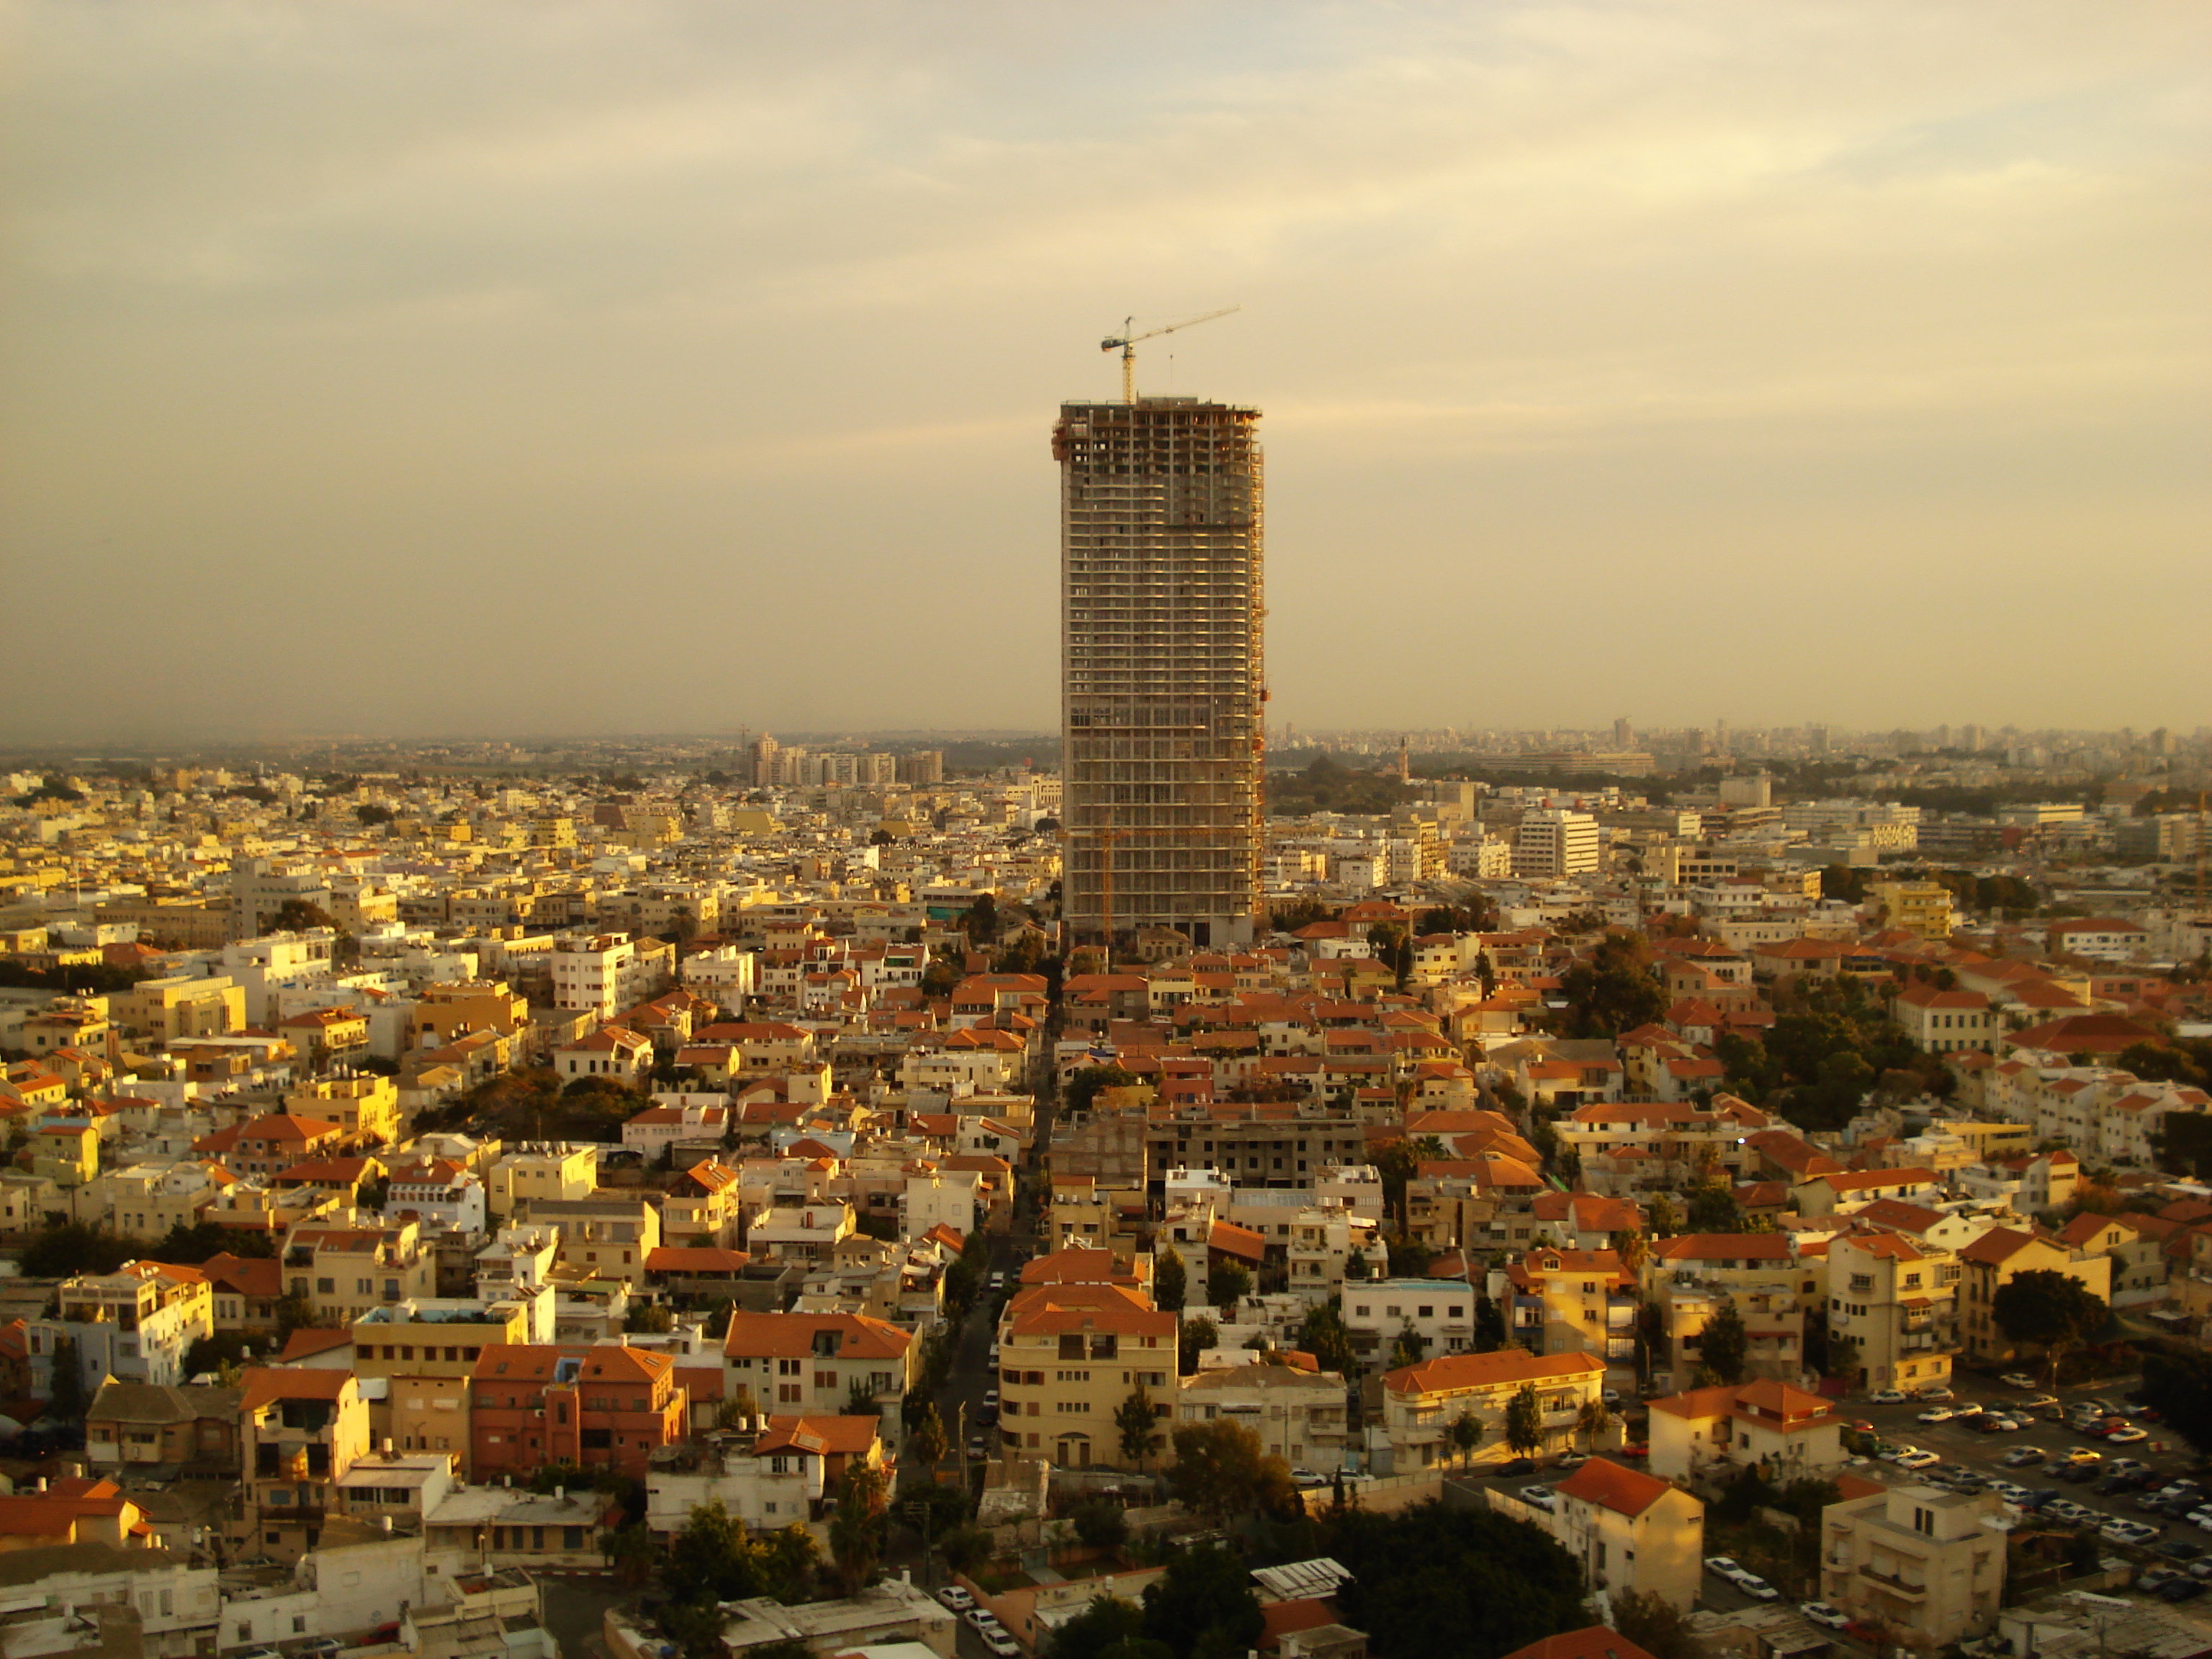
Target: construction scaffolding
[(1163, 674)]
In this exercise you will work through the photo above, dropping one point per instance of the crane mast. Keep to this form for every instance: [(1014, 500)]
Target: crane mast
[(1125, 343)]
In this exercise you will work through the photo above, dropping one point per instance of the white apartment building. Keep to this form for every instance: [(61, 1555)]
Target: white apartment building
[(1298, 1415), (1897, 1300), (136, 1323), (603, 974), (1555, 842)]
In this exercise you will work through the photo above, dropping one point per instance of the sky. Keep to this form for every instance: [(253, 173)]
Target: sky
[(412, 369)]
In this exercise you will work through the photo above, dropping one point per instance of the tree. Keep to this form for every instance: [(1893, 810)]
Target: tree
[(1322, 1335), (1472, 1584), (925, 1439), (2049, 1310), (1465, 1434), (1084, 1086), (1665, 1219), (1524, 1422), (1843, 1360), (1713, 1209), (1101, 1522), (69, 1400), (2176, 1383), (1629, 1245), (1138, 1424), (1615, 990), (1194, 1337), (1203, 1601), (859, 1401), (295, 1312), (1227, 1284), (1408, 1349), (1489, 1324), (649, 1318), (856, 1529), (1646, 1618), (1724, 1345), (1591, 1421), (712, 1559), (1108, 1628), (1171, 1280), (1221, 1470)]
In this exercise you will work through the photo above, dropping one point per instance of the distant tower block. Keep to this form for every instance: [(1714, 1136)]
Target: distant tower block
[(1624, 734), (1161, 670)]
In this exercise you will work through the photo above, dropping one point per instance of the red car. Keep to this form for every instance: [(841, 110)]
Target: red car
[(1638, 1450)]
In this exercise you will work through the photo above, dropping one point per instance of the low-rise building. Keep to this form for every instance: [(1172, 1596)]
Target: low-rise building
[(136, 1323), (1927, 1564), (813, 1364), (1420, 1403), (1633, 1532), (1068, 1358), (602, 1406), (1717, 1433), (1298, 1415)]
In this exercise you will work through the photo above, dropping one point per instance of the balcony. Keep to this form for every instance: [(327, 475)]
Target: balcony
[(1894, 1584)]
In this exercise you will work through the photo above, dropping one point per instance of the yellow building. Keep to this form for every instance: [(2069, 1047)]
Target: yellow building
[(67, 1154), (1069, 1355), (540, 1174), (366, 1107), (300, 1430), (1420, 1403), (1924, 907)]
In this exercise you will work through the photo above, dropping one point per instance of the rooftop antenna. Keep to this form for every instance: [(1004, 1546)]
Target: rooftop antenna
[(1125, 343)]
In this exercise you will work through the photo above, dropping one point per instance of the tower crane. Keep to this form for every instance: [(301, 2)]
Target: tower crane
[(1125, 343)]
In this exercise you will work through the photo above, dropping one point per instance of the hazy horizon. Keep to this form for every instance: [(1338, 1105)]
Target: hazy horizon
[(400, 370)]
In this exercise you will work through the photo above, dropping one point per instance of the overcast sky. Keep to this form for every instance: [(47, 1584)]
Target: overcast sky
[(420, 368)]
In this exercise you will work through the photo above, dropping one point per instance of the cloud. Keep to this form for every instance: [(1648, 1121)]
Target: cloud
[(758, 299)]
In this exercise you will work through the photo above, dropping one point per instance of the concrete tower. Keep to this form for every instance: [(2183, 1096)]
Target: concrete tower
[(1161, 673)]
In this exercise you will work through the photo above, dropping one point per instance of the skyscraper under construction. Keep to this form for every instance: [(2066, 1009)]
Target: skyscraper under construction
[(1162, 671)]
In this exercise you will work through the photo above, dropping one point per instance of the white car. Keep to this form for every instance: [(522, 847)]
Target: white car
[(957, 1599), (1917, 1460), (2009, 1493), (1934, 1391), (1939, 1414), (2202, 1518), (983, 1621), (2127, 1436), (2017, 1380), (999, 1643), (2126, 1532), (1821, 1613), (1888, 1396), (1542, 1496), (1897, 1454)]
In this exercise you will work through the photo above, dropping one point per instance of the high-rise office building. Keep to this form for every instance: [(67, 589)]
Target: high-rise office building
[(1161, 673)]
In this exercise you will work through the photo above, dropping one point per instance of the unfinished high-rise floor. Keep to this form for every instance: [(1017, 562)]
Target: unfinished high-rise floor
[(1162, 671)]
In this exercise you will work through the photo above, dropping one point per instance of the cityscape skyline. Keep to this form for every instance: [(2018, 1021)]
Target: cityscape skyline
[(1851, 352)]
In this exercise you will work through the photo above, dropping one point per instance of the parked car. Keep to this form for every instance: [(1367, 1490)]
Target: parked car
[(1895, 1454), (1888, 1396), (1934, 1391), (2179, 1549), (2183, 1589), (1514, 1466), (1307, 1480), (955, 1598), (1821, 1613), (1939, 1414), (2127, 1436), (2154, 1579), (1542, 1496), (982, 1620), (2200, 1518), (2018, 1380), (2009, 1493), (1570, 1459), (2127, 1532), (2083, 1454), (977, 1450), (2021, 1456), (1637, 1451), (1918, 1460), (2036, 1402)]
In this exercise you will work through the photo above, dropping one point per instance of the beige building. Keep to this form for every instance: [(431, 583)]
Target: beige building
[(162, 1011), (535, 1174), (345, 1269), (809, 1365), (1997, 1258), (1419, 1402), (1069, 1356), (1299, 1415), (1898, 1301), (1717, 1433), (1919, 1560), (606, 1236), (367, 1107), (1631, 1531), (300, 1430)]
